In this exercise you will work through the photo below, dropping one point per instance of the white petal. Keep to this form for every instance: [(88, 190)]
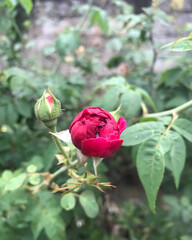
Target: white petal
[(64, 136), (81, 158)]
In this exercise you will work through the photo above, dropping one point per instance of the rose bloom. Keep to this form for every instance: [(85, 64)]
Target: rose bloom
[(96, 133)]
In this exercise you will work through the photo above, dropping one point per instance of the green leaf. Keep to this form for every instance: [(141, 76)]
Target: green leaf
[(111, 98), (49, 156), (48, 50), (11, 3), (115, 44), (46, 215), (100, 18), (67, 42), (14, 71), (172, 76), (27, 5), (176, 101), (19, 79), (89, 204), (2, 115), (37, 224), (16, 182), (7, 175), (104, 22), (165, 143), (165, 120), (11, 114), (167, 159), (150, 166), (31, 168), (24, 108), (35, 179), (186, 81), (131, 102), (184, 127), (119, 81), (55, 228), (37, 161), (146, 96), (140, 132), (177, 155), (68, 201), (182, 44)]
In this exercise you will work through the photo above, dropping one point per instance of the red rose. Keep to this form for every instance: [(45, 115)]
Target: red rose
[(96, 133)]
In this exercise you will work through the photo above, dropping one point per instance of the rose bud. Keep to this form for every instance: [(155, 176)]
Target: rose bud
[(96, 132), (48, 109)]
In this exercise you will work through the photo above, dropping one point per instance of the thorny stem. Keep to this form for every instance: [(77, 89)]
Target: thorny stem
[(63, 169), (55, 174), (169, 112)]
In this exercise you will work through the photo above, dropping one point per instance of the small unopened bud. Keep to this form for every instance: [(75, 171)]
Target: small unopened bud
[(48, 109)]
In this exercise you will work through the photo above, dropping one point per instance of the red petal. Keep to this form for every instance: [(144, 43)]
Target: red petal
[(122, 125), (49, 100), (100, 147), (92, 111), (107, 130), (75, 120), (78, 133)]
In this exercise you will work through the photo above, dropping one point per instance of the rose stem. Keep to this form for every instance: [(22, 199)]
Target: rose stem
[(63, 169), (169, 112), (58, 172), (59, 145)]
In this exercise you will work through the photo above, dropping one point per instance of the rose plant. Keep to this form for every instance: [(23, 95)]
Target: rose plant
[(156, 140), (96, 133)]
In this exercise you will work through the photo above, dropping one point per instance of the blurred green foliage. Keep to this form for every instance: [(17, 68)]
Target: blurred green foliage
[(12, 39), (26, 148)]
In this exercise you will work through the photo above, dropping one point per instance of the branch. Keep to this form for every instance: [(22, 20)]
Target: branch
[(169, 112), (59, 145), (63, 169), (175, 116), (50, 177)]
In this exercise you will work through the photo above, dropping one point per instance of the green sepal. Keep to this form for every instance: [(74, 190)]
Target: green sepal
[(46, 113), (115, 113)]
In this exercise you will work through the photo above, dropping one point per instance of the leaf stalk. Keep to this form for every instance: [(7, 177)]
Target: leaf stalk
[(169, 112)]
